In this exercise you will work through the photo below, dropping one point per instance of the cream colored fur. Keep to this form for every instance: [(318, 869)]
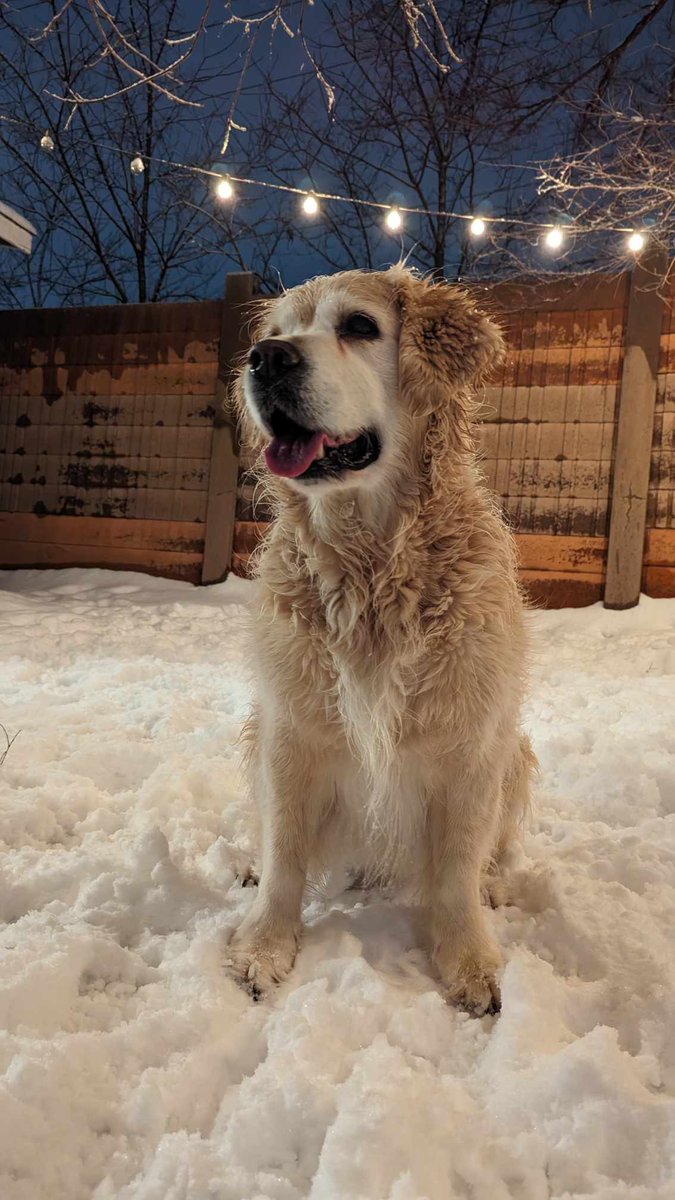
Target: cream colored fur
[(389, 645)]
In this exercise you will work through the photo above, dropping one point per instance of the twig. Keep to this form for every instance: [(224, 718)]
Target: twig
[(10, 742)]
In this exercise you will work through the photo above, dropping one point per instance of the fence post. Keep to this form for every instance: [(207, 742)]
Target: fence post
[(632, 455), (222, 495)]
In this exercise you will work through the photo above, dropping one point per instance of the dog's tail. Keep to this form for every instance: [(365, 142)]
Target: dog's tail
[(516, 794)]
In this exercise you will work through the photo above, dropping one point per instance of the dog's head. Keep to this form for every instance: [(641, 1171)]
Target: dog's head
[(347, 370)]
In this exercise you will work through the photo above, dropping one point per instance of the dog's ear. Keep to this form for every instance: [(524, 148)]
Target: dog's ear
[(444, 340)]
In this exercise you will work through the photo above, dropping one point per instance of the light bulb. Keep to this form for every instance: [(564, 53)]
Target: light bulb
[(137, 166), (477, 227), (393, 220), (310, 205), (554, 238), (636, 242), (224, 189), (47, 142)]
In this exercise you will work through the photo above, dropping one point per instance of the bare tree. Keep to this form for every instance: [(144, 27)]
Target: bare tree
[(406, 132), (442, 106), (621, 178), (105, 233), (138, 65)]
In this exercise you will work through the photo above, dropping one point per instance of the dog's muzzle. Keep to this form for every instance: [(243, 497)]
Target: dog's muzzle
[(296, 450)]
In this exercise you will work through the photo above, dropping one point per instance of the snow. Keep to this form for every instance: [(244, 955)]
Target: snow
[(132, 1067)]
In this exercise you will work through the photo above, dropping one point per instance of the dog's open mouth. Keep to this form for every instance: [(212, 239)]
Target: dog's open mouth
[(296, 452)]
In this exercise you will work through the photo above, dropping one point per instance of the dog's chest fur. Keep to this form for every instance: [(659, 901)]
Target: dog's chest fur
[(371, 697), (373, 649), (358, 664)]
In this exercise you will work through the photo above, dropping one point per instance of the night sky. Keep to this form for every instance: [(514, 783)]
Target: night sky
[(269, 233)]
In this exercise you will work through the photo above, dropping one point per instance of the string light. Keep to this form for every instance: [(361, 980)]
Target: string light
[(310, 205), (224, 189), (554, 238), (636, 242)]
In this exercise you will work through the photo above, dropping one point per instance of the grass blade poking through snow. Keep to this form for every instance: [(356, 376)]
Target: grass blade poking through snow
[(10, 742)]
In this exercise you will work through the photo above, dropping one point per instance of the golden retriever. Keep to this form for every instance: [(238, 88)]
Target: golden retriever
[(389, 644)]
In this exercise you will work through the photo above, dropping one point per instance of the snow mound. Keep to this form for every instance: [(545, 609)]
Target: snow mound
[(132, 1068)]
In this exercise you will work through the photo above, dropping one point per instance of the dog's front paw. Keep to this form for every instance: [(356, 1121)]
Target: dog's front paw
[(471, 984), (258, 962), (478, 995)]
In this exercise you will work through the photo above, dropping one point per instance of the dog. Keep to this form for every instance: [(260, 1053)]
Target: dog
[(389, 644)]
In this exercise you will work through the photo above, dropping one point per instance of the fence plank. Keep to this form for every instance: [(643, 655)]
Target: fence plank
[(95, 472), (637, 402), (186, 537), (222, 495), (178, 315), (566, 589), (162, 504), (552, 552), (173, 564), (659, 582), (660, 548), (574, 294)]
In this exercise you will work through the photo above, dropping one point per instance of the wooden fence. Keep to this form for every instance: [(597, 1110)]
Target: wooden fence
[(115, 451)]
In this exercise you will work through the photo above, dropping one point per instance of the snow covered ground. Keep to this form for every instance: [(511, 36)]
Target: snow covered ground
[(132, 1067)]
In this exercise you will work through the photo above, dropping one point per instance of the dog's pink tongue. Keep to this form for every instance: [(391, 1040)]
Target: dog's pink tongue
[(290, 456)]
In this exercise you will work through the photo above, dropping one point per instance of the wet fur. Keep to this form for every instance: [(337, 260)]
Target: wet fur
[(389, 651)]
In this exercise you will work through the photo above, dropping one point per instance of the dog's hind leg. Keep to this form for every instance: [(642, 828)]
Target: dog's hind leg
[(516, 794), (515, 807)]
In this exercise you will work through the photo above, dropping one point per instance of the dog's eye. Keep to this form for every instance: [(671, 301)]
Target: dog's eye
[(358, 325)]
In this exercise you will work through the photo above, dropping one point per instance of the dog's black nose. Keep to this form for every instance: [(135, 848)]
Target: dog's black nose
[(273, 358)]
